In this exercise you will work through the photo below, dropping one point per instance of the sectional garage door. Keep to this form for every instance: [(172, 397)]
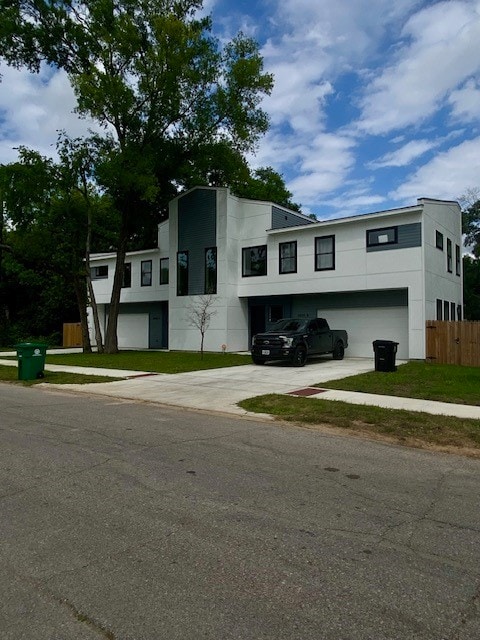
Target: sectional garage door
[(366, 325)]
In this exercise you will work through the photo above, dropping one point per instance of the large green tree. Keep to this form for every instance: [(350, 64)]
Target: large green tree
[(153, 75)]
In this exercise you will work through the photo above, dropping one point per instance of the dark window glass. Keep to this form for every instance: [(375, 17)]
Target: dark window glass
[(379, 237), (127, 275), (288, 257), (439, 240), (211, 270), (324, 253), (459, 311), (254, 261), (457, 260), (276, 312), (449, 255), (446, 310), (146, 273), (452, 310), (439, 310), (164, 271), (100, 272), (182, 273)]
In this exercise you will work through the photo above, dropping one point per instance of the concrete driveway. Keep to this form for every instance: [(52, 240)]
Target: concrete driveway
[(221, 389)]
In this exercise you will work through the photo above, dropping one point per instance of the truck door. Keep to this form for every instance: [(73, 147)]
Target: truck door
[(325, 336), (313, 338)]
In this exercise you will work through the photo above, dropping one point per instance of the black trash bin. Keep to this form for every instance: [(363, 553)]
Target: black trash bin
[(385, 351)]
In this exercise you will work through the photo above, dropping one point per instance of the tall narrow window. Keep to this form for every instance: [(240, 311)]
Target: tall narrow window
[(446, 310), (439, 309), (182, 273), (127, 275), (452, 310), (288, 257), (254, 261), (457, 260), (146, 273), (164, 271), (211, 270), (439, 240), (449, 255), (324, 253), (459, 311)]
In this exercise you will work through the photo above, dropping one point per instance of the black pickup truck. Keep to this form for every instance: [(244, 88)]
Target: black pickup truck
[(295, 339)]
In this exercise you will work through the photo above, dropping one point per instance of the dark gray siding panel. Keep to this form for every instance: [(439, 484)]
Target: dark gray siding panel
[(282, 219), (197, 231), (409, 235)]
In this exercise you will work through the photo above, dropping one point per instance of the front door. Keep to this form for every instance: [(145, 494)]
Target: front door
[(257, 320), (155, 330)]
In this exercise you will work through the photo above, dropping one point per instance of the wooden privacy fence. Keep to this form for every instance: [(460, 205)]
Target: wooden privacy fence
[(453, 342), (72, 334)]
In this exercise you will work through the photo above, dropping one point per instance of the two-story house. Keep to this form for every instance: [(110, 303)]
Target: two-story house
[(379, 275)]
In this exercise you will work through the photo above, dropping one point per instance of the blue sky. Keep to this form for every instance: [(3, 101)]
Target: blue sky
[(376, 102)]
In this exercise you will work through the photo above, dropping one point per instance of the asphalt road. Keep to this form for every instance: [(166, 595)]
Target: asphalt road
[(124, 520)]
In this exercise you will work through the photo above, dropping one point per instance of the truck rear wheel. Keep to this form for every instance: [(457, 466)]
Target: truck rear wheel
[(338, 351), (299, 357)]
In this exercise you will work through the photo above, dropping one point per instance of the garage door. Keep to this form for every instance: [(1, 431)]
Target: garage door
[(366, 325), (132, 331)]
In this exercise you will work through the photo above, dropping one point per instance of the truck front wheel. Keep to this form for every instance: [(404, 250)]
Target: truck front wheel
[(299, 357), (338, 351), (257, 360)]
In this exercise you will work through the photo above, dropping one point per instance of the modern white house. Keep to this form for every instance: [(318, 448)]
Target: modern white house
[(380, 275)]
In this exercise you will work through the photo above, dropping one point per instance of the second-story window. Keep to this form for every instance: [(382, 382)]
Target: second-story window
[(182, 273), (288, 257), (449, 256), (254, 261), (146, 273), (324, 253), (211, 270), (100, 272), (127, 275), (164, 271), (380, 237), (439, 240), (457, 260)]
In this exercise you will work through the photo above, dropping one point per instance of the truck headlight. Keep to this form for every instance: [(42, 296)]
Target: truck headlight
[(287, 342)]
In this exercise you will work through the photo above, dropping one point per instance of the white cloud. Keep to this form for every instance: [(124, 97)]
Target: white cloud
[(447, 176), (405, 155), (33, 108), (441, 52), (466, 101)]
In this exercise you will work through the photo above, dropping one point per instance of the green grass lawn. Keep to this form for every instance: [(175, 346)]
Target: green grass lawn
[(155, 361), (442, 382), (404, 427)]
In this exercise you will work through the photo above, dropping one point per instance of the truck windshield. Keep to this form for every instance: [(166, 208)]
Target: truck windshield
[(288, 324)]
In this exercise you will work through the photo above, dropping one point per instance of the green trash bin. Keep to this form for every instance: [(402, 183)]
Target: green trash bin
[(31, 360)]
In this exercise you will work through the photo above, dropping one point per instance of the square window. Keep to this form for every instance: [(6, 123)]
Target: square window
[(146, 273), (254, 261), (100, 272), (164, 271), (288, 257), (324, 253)]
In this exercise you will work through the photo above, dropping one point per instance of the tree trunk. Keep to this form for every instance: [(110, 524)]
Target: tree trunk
[(80, 293), (91, 292), (111, 340)]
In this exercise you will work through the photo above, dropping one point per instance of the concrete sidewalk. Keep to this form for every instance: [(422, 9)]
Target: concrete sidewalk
[(220, 390)]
